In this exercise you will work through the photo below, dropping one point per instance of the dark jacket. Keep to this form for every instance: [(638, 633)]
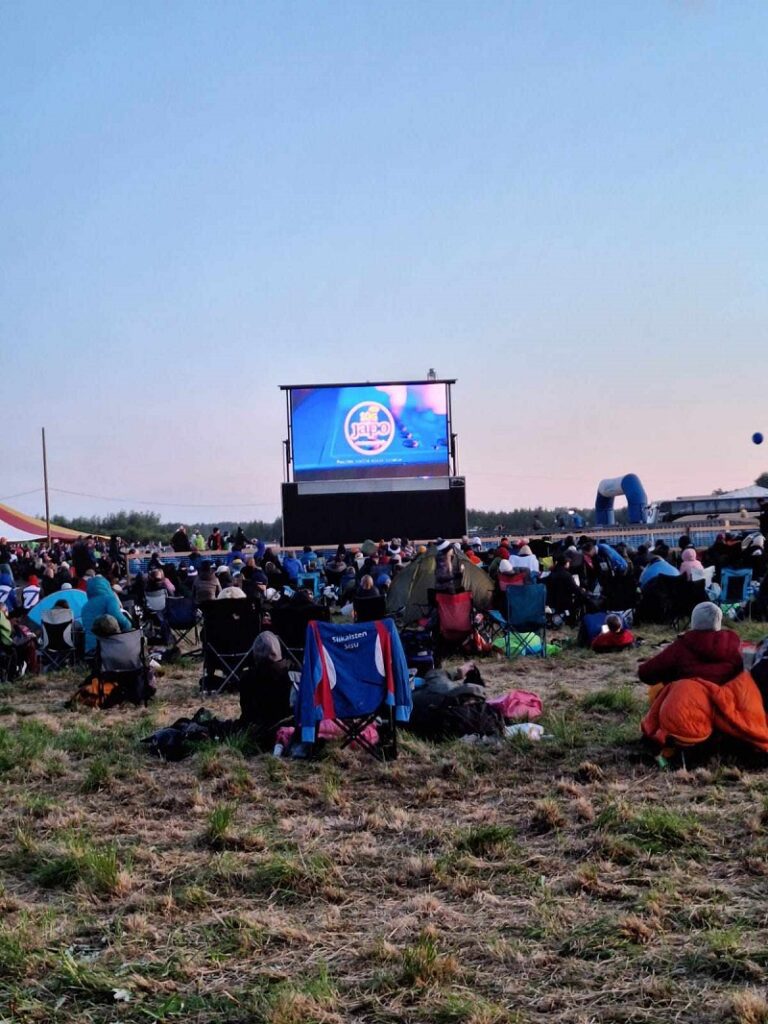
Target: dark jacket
[(698, 654)]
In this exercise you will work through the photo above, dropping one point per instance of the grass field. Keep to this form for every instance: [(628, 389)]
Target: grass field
[(568, 880)]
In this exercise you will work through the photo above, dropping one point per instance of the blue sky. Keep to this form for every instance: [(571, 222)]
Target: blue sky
[(561, 204)]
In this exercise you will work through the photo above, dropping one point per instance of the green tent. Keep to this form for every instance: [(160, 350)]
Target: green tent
[(408, 594)]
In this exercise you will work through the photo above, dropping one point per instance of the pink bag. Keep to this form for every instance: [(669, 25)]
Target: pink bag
[(329, 731), (518, 704)]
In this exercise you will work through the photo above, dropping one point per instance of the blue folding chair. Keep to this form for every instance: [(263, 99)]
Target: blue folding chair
[(310, 581), (525, 622), (735, 587), (355, 675)]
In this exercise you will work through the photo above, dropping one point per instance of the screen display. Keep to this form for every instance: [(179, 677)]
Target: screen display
[(370, 430)]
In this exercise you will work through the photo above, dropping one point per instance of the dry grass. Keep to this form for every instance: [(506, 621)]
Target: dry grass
[(565, 881)]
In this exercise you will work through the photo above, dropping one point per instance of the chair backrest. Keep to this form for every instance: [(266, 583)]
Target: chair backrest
[(735, 585), (707, 574), (156, 600), (369, 609), (526, 606), (351, 669), (512, 579), (454, 613), (123, 652), (181, 612), (290, 622), (309, 581), (230, 625), (57, 625), (620, 592)]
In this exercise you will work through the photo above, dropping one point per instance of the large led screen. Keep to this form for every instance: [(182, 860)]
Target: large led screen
[(369, 430)]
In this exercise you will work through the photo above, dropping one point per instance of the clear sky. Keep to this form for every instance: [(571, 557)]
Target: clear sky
[(562, 204)]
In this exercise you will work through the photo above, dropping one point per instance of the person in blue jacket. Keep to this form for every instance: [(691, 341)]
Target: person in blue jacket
[(292, 567), (102, 600), (657, 566)]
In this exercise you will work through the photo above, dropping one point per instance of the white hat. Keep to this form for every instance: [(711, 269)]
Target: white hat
[(222, 569), (231, 592), (506, 566)]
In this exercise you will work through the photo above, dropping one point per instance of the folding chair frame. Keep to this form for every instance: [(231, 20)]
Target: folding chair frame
[(180, 633), (355, 727), (745, 575), (520, 629)]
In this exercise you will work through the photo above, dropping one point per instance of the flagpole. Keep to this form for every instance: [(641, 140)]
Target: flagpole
[(45, 482)]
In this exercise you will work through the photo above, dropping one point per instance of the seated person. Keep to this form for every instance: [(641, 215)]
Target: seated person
[(159, 581), (657, 566), (564, 595), (367, 588), (614, 636), (265, 691), (705, 651), (509, 576), (292, 567), (206, 584), (524, 558), (689, 563), (102, 600)]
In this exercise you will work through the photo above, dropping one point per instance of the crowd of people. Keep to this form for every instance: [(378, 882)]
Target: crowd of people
[(580, 574)]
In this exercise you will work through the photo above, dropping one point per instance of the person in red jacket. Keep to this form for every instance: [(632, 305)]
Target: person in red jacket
[(706, 651), (616, 636)]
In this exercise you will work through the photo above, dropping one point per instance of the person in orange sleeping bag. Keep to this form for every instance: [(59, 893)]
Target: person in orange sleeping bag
[(706, 651), (688, 711)]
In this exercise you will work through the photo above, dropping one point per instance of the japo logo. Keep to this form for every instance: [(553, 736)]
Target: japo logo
[(369, 428)]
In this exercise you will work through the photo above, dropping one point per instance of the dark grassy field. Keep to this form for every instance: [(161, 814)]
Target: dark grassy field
[(568, 880)]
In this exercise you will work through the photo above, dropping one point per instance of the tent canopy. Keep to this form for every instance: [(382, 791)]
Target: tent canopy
[(18, 526), (408, 593)]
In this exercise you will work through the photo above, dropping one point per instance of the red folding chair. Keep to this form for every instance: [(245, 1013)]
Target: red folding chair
[(454, 619)]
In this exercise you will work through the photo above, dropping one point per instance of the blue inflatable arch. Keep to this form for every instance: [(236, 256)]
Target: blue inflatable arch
[(608, 490)]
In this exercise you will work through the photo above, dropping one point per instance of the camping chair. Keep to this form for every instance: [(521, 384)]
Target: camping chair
[(183, 617), (310, 581), (290, 622), (229, 630), (620, 593), (454, 617), (526, 614), (122, 659), (369, 609), (156, 622), (735, 586), (355, 675), (454, 622), (57, 646), (685, 595)]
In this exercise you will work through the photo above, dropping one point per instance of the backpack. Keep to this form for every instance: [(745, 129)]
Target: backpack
[(95, 693), (99, 692), (460, 711)]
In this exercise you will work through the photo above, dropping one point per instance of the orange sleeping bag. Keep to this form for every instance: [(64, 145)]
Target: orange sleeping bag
[(688, 711)]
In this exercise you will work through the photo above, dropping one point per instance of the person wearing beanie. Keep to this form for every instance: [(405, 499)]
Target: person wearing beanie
[(705, 651)]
